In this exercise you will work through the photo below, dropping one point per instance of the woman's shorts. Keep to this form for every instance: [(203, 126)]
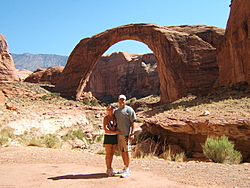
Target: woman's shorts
[(124, 144), (110, 139)]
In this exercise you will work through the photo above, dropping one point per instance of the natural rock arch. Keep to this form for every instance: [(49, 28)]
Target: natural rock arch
[(182, 59)]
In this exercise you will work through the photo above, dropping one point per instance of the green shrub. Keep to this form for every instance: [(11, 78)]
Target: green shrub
[(94, 102), (51, 141), (55, 95), (35, 142), (78, 134), (220, 150), (3, 141), (7, 132), (86, 101)]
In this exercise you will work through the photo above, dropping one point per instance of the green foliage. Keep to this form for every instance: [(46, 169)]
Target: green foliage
[(73, 134), (35, 142), (51, 141), (7, 132), (139, 120), (44, 97), (3, 140), (86, 101), (94, 102), (55, 95), (220, 150), (78, 134)]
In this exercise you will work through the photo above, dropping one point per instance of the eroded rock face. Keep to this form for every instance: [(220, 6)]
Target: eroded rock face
[(234, 53), (46, 76), (132, 74), (35, 77), (186, 62), (7, 68)]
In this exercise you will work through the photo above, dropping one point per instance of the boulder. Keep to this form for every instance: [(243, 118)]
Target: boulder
[(7, 68)]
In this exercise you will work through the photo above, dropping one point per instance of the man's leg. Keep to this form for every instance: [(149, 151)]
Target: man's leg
[(126, 158)]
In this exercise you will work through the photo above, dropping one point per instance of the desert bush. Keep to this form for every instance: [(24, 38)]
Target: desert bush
[(94, 102), (179, 157), (3, 141), (78, 134), (170, 156), (143, 136), (51, 141), (221, 150), (7, 132), (55, 95), (35, 142), (86, 102)]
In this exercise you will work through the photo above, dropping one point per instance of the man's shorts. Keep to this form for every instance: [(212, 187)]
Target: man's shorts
[(124, 144), (110, 139)]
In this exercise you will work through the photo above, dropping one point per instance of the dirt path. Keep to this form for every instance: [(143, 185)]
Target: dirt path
[(39, 167), (74, 175)]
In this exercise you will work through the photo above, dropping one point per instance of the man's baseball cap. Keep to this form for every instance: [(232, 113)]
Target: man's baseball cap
[(122, 97)]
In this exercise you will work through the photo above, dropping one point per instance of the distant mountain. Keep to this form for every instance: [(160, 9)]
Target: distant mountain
[(34, 61)]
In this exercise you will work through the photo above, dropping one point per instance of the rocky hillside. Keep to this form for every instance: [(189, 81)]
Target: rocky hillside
[(34, 61)]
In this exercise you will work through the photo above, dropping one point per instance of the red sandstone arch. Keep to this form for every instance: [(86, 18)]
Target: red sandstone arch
[(178, 56)]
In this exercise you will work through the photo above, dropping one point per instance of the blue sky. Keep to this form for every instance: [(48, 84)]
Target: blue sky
[(56, 26)]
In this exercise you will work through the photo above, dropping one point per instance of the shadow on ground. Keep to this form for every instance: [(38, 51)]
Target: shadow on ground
[(80, 176)]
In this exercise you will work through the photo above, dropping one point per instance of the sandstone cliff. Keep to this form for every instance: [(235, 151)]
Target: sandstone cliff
[(132, 74), (7, 68), (233, 55)]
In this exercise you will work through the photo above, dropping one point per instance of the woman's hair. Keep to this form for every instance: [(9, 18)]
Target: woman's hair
[(110, 107)]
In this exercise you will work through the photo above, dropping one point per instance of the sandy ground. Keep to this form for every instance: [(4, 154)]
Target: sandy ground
[(40, 167)]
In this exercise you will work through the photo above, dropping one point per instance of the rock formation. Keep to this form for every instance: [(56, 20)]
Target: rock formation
[(23, 73), (36, 76), (45, 76), (121, 72), (233, 55), (7, 68), (186, 62), (233, 59)]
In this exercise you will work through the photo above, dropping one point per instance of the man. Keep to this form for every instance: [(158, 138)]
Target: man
[(125, 117)]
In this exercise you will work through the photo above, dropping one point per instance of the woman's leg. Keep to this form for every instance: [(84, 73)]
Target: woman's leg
[(109, 155)]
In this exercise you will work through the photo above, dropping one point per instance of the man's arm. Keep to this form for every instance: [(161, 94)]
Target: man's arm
[(132, 136)]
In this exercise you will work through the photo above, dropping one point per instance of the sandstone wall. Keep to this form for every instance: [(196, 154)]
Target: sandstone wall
[(233, 55), (7, 68), (134, 75)]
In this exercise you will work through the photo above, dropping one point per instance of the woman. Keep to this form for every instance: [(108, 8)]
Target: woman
[(110, 138)]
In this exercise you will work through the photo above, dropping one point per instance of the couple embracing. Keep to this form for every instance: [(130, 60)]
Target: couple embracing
[(119, 132)]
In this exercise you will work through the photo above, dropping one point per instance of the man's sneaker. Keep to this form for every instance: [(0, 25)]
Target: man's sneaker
[(110, 172), (121, 171), (125, 173)]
